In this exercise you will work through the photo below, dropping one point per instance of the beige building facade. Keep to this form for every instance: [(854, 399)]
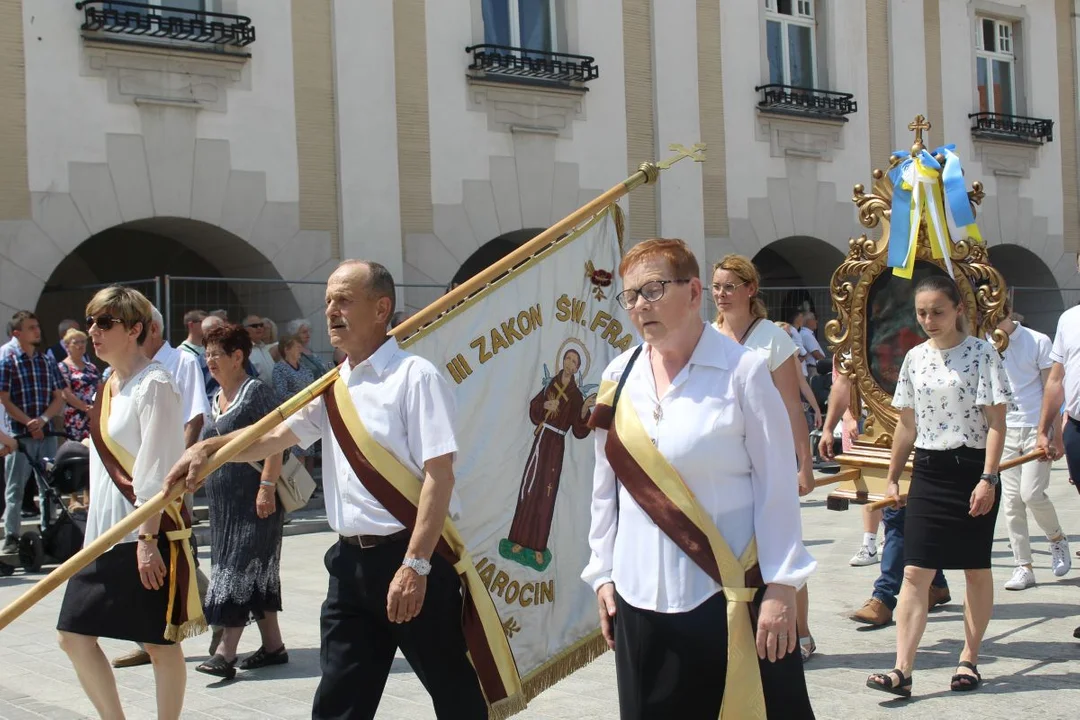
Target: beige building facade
[(242, 148)]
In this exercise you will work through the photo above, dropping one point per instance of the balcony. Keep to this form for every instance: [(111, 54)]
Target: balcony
[(151, 22), (502, 63), (1011, 128), (805, 102)]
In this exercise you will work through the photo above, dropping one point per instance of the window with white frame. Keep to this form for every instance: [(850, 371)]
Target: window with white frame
[(995, 65), (153, 5), (789, 36), (529, 24)]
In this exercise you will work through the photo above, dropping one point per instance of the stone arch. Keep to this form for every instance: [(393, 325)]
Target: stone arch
[(156, 247), (528, 190), (492, 252), (802, 266), (171, 184), (1032, 284)]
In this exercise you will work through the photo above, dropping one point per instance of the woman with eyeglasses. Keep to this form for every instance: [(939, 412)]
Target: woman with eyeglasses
[(81, 378), (742, 317), (695, 519), (137, 433), (245, 519)]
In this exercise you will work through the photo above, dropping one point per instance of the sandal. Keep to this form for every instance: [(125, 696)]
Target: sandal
[(884, 682), (807, 647), (962, 682), (218, 666), (261, 658)]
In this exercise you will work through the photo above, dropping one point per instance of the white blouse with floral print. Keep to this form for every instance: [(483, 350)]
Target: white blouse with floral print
[(947, 389)]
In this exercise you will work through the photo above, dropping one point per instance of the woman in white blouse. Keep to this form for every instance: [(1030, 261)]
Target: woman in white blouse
[(124, 593), (711, 409), (951, 394), (742, 316)]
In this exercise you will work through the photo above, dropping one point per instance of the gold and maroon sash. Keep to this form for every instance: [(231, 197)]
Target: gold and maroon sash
[(659, 490), (398, 490), (184, 617)]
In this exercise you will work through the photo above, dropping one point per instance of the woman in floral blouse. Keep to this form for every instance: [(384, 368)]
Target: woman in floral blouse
[(81, 379), (951, 395)]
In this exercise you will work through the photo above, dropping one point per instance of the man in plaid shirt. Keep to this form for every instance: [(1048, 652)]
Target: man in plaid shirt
[(31, 391)]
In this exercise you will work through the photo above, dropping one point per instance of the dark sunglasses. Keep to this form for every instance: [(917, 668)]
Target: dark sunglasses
[(104, 321), (254, 325)]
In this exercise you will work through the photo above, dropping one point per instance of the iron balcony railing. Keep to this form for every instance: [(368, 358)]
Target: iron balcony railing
[(528, 65), (161, 22), (792, 100), (1015, 127)]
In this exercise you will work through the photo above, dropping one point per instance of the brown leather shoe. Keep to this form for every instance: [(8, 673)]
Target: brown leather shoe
[(136, 657), (873, 612), (939, 596)]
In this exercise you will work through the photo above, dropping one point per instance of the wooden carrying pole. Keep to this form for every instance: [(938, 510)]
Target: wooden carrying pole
[(157, 504), (647, 173), (1007, 465)]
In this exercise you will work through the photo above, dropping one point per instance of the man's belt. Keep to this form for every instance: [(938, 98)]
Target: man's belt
[(369, 541)]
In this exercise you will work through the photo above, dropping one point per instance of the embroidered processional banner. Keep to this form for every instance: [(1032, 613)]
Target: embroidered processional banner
[(524, 358)]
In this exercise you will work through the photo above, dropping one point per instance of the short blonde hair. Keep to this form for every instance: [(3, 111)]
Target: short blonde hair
[(125, 304), (744, 269), (71, 335), (676, 253)]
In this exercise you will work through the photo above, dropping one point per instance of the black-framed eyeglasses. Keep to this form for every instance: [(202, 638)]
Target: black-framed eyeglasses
[(105, 321), (727, 288), (652, 291)]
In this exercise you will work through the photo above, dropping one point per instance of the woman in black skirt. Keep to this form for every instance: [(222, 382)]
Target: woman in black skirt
[(124, 594), (951, 395)]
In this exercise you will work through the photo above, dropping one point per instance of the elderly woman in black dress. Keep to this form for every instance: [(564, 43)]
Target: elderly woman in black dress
[(245, 521), (951, 395)]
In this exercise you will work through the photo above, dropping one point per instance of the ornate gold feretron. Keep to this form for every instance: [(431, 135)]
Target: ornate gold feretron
[(983, 291)]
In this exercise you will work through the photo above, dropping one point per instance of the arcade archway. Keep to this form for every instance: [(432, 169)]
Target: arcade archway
[(1031, 282), (492, 252), (795, 273)]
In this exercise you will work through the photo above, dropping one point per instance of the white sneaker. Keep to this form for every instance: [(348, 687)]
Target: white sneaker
[(1022, 578), (1060, 561), (865, 556)]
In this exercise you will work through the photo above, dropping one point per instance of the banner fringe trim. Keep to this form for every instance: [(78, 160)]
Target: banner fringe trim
[(560, 666)]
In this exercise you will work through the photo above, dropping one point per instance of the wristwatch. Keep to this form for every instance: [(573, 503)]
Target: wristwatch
[(421, 566), (991, 478)]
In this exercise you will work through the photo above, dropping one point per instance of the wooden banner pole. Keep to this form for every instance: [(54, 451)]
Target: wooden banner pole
[(647, 173)]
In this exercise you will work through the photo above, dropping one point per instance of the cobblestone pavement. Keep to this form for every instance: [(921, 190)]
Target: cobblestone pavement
[(1030, 660)]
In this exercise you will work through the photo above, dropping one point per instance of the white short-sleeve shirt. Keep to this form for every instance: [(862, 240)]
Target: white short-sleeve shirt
[(772, 344), (407, 407), (1026, 357), (947, 389), (145, 420), (1066, 350), (184, 367)]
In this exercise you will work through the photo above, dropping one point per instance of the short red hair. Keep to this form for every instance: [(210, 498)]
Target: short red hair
[(675, 252)]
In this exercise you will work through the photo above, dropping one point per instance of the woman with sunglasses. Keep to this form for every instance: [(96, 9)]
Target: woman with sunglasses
[(692, 409), (137, 434), (742, 316)]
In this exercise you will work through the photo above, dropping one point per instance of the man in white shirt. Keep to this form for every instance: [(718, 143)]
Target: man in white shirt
[(1028, 364), (794, 323), (1063, 386), (193, 343), (808, 334), (381, 575), (260, 355)]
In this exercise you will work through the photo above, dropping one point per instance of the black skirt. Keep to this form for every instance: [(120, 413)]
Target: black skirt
[(107, 599), (939, 533)]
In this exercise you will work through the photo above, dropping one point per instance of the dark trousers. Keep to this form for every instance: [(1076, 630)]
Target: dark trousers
[(674, 665), (1071, 437), (359, 641), (887, 586)]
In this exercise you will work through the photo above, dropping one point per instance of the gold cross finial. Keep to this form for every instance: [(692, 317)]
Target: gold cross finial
[(695, 152), (920, 124)]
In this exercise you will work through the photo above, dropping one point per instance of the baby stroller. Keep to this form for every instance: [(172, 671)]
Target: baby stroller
[(67, 473)]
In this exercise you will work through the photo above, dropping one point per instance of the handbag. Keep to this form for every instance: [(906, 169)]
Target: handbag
[(295, 484)]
